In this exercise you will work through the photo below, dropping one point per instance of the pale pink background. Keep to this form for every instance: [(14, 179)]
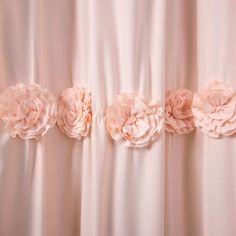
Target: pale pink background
[(181, 186)]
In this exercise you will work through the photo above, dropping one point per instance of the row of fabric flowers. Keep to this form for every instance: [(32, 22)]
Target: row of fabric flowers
[(132, 119)]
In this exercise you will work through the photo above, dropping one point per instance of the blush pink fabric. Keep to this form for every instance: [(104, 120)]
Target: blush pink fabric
[(184, 185), (28, 111), (178, 114), (214, 108), (74, 114), (134, 120)]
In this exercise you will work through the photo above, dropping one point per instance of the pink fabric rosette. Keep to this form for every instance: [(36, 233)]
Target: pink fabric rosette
[(28, 111), (178, 114), (214, 108), (74, 112), (134, 120)]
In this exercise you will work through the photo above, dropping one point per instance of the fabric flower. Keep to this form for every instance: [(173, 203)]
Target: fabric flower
[(178, 114), (28, 111), (214, 108), (134, 120), (74, 112)]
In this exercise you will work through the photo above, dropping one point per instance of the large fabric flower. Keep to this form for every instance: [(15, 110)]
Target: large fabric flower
[(214, 108), (134, 120), (28, 111), (178, 114), (74, 112)]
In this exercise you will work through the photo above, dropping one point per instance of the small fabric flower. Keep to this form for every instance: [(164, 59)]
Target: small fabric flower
[(134, 120), (178, 114), (74, 112), (28, 111), (214, 108)]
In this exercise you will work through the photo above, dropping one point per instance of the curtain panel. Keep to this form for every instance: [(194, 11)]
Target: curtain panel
[(182, 185)]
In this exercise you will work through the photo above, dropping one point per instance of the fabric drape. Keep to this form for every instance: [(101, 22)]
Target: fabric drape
[(56, 186)]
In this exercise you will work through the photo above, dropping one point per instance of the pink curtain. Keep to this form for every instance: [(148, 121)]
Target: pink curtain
[(181, 186)]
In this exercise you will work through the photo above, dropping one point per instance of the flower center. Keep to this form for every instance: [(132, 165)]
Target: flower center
[(71, 116), (28, 109), (217, 99), (131, 120), (30, 116)]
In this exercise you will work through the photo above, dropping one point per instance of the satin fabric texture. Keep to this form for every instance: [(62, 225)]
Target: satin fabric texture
[(56, 186)]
